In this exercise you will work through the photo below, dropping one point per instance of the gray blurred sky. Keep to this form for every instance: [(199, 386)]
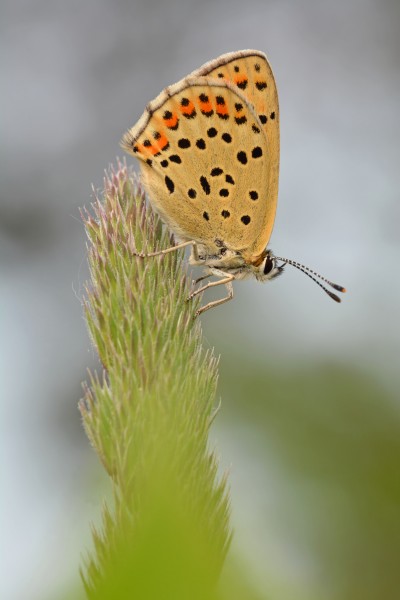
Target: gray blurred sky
[(77, 75)]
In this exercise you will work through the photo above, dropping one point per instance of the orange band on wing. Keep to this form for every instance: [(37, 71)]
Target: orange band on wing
[(241, 81), (148, 149), (162, 142), (206, 106), (188, 109), (171, 122), (222, 110)]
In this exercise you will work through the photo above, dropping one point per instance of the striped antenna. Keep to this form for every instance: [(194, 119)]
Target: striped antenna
[(313, 275)]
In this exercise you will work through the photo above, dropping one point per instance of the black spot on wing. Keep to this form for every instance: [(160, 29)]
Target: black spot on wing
[(205, 185), (170, 184), (242, 157), (184, 143), (241, 120), (257, 152)]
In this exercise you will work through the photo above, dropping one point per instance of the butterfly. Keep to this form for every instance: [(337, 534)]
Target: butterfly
[(208, 148)]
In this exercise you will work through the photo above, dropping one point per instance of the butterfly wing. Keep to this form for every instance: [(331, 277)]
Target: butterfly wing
[(206, 162), (251, 72)]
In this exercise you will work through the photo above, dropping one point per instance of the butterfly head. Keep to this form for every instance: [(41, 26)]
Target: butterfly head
[(268, 268)]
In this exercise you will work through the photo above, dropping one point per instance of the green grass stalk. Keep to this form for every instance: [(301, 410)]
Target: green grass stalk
[(148, 414)]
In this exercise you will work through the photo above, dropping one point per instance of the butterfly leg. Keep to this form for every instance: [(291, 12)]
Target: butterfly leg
[(196, 281), (227, 281), (228, 284), (172, 249), (201, 278), (223, 281)]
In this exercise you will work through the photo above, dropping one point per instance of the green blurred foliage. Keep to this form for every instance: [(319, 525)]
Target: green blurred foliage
[(333, 435)]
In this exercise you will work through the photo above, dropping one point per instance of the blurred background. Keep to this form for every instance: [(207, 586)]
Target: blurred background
[(310, 422)]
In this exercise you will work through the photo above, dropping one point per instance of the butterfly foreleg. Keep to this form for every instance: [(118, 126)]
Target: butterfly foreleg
[(228, 284), (223, 281), (196, 281), (227, 281)]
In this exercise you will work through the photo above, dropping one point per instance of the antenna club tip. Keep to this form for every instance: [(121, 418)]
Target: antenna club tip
[(333, 296)]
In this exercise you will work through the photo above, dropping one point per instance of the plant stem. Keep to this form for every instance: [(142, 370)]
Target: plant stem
[(148, 415)]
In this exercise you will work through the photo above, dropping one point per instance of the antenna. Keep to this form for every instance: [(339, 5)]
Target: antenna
[(312, 275)]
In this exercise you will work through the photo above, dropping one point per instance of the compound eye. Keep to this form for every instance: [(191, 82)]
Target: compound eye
[(269, 265)]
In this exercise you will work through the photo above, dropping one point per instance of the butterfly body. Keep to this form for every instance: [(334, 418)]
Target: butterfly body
[(228, 262), (208, 148)]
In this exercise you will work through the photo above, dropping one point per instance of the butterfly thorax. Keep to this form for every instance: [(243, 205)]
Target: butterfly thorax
[(225, 262)]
